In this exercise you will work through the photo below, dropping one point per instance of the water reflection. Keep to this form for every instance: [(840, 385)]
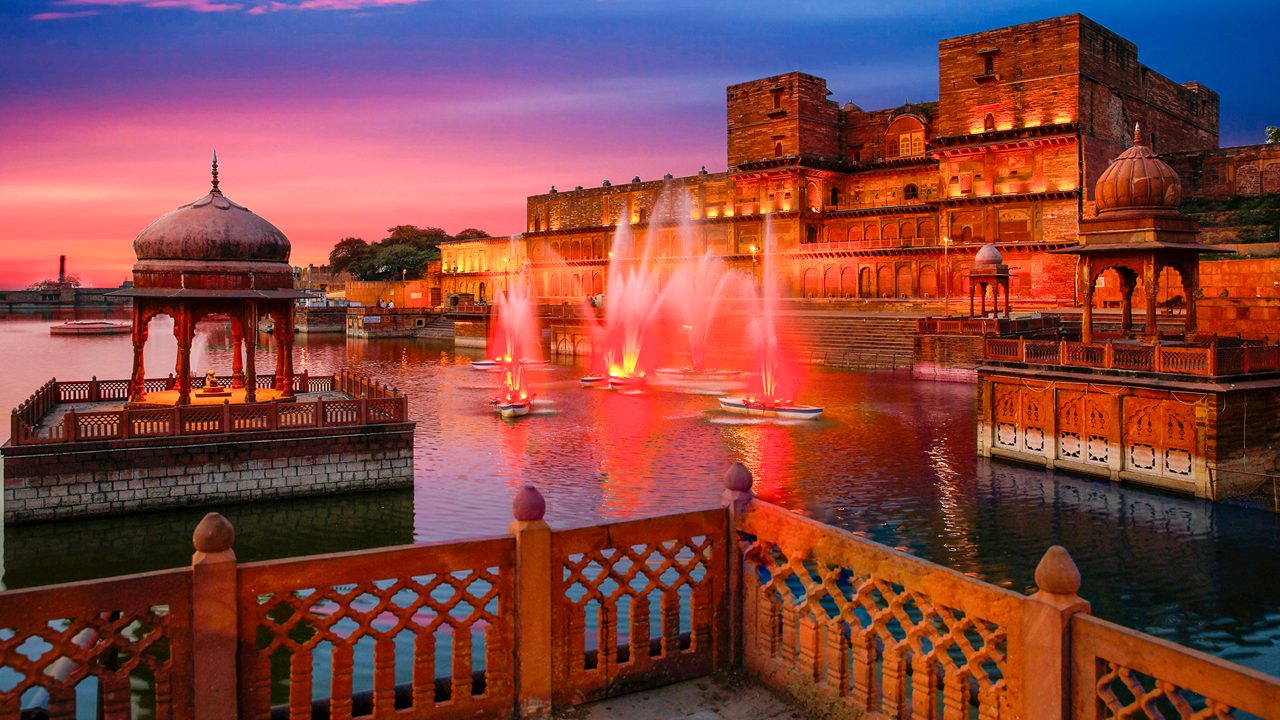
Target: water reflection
[(891, 457)]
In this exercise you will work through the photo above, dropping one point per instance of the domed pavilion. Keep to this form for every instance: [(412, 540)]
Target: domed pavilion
[(213, 257), (989, 270), (1138, 232)]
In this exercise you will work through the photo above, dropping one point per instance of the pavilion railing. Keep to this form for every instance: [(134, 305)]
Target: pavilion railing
[(516, 625), (985, 325), (1209, 360), (366, 403)]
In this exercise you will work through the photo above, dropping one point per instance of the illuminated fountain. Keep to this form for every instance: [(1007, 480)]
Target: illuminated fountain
[(625, 342), (515, 344), (771, 392), (694, 293)]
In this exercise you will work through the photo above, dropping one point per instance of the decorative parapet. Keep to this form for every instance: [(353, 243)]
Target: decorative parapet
[(367, 403), (1208, 361), (516, 625)]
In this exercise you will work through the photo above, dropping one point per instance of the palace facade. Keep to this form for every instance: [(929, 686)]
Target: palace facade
[(894, 203)]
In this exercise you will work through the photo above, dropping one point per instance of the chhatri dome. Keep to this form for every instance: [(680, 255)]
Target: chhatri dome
[(988, 255), (212, 243), (1138, 180)]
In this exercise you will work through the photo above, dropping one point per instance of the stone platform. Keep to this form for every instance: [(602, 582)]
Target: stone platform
[(715, 697), (78, 452)]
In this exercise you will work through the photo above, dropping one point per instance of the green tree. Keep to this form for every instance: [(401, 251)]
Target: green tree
[(51, 284), (392, 263), (345, 252), (428, 238), (1273, 134), (470, 234)]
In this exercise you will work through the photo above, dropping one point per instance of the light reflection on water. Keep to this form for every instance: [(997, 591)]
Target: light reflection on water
[(891, 458)]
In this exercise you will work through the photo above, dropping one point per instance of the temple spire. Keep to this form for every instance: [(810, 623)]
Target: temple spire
[(1137, 134), (215, 190)]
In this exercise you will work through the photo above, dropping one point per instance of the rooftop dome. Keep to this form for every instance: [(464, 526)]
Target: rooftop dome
[(1138, 180), (988, 255), (212, 228)]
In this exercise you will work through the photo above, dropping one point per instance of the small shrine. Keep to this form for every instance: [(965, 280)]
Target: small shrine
[(213, 257), (989, 271), (1138, 232)]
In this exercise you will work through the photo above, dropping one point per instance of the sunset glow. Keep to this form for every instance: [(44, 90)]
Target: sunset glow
[(339, 118)]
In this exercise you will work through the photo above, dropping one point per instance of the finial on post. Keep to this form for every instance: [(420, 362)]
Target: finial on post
[(1057, 573), (215, 189), (737, 487), (1137, 134), (214, 534), (528, 505)]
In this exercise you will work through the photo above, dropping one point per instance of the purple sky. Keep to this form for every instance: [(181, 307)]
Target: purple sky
[(344, 117)]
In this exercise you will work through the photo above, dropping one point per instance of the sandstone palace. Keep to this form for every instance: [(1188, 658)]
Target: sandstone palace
[(894, 203)]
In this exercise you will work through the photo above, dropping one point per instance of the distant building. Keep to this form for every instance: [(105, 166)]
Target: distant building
[(895, 202)]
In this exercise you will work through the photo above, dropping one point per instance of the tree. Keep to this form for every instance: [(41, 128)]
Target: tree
[(51, 284), (392, 263), (1273, 134), (470, 234), (345, 252)]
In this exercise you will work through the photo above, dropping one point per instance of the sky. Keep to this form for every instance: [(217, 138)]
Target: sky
[(336, 118)]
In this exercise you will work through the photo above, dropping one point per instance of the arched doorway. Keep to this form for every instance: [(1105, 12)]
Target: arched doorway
[(928, 281), (812, 283), (480, 293), (884, 282), (866, 287), (831, 283), (906, 288)]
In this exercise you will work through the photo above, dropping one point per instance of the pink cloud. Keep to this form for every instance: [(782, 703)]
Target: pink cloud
[(252, 7), (64, 15)]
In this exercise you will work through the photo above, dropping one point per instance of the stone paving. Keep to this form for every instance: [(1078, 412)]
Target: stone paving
[(718, 697)]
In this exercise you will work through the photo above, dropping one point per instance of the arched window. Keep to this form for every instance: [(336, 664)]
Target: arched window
[(911, 192), (777, 101), (777, 149), (989, 123), (835, 195), (989, 64)]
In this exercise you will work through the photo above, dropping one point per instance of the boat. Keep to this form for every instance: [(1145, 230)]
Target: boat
[(760, 408), (513, 408), (486, 364), (624, 383), (90, 327), (594, 380)]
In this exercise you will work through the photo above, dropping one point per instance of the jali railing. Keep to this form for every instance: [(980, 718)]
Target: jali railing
[(368, 403), (1203, 361), (516, 625)]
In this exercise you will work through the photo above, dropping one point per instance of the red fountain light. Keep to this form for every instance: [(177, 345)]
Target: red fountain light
[(514, 343)]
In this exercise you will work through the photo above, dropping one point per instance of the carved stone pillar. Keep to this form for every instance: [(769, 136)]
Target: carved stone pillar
[(1151, 284), (1086, 320), (278, 330), (137, 382), (237, 353), (1190, 286), (284, 340), (1128, 284), (250, 350), (184, 331)]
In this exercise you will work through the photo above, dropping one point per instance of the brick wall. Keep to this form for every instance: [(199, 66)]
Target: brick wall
[(45, 483)]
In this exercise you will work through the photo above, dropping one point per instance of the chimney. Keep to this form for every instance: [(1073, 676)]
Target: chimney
[(62, 268)]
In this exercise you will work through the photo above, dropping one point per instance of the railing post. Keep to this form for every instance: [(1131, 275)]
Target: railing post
[(15, 427), (364, 410), (214, 594), (1109, 356), (533, 603), (69, 426), (1157, 357), (1046, 636), (226, 416), (273, 414), (1062, 351), (95, 393), (1022, 350), (736, 498), (320, 411)]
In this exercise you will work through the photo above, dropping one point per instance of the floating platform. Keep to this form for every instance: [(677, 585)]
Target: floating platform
[(90, 327), (787, 410), (513, 408), (497, 364)]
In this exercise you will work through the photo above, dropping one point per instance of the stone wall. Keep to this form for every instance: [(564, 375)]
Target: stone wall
[(947, 358), (314, 320), (397, 322), (99, 478)]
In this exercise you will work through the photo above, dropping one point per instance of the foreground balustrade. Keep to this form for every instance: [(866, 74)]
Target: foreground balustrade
[(365, 402), (516, 625)]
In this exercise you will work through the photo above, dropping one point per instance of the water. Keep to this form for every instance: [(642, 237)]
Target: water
[(891, 457)]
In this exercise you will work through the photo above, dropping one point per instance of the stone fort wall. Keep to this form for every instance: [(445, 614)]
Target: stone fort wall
[(45, 483)]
